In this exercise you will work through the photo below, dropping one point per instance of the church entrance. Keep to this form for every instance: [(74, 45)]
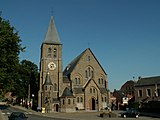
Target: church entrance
[(92, 104), (56, 107)]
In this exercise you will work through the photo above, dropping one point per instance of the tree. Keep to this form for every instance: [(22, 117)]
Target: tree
[(28, 72), (10, 49)]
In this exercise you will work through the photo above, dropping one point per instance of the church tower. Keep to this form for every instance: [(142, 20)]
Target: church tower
[(51, 75)]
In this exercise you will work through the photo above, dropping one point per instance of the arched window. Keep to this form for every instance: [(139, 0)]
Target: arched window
[(99, 81), (77, 99), (49, 52), (92, 74), (102, 99), (77, 80), (86, 74), (45, 87), (105, 99), (89, 72), (69, 101), (63, 101), (102, 80), (55, 53), (81, 99), (94, 90), (90, 90)]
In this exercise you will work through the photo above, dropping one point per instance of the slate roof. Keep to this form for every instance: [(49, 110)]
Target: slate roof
[(52, 36), (72, 64), (67, 93), (148, 81), (78, 90), (67, 71), (48, 80)]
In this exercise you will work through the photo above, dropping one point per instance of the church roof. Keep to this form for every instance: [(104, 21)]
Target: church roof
[(67, 93), (73, 63), (52, 36), (78, 90), (47, 80)]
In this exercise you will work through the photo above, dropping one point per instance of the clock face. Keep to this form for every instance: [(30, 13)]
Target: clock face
[(51, 65)]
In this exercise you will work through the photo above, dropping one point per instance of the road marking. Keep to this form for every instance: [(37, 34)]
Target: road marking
[(8, 113)]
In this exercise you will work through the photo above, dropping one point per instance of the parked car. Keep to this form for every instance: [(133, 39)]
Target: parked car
[(130, 113), (17, 116)]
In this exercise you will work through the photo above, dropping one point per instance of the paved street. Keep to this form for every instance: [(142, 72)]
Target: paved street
[(32, 115)]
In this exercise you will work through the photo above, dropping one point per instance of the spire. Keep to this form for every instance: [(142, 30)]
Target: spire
[(52, 34), (48, 80)]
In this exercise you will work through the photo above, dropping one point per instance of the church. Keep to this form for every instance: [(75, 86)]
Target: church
[(82, 85)]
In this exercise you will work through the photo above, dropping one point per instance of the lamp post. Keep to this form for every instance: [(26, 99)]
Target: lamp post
[(32, 101)]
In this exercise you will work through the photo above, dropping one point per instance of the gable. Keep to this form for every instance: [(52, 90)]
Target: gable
[(85, 56)]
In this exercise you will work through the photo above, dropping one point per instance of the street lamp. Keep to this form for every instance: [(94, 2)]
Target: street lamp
[(32, 101)]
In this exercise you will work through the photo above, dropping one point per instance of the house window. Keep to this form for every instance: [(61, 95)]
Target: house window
[(49, 52), (158, 92), (148, 92), (139, 93)]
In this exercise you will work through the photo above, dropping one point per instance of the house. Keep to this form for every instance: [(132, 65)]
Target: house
[(147, 89)]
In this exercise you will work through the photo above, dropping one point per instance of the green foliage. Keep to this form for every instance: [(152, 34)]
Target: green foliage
[(10, 49), (15, 76), (28, 72)]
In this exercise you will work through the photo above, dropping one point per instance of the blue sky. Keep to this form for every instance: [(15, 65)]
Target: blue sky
[(124, 35)]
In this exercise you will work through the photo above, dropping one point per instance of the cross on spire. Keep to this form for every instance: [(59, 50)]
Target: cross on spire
[(52, 11)]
